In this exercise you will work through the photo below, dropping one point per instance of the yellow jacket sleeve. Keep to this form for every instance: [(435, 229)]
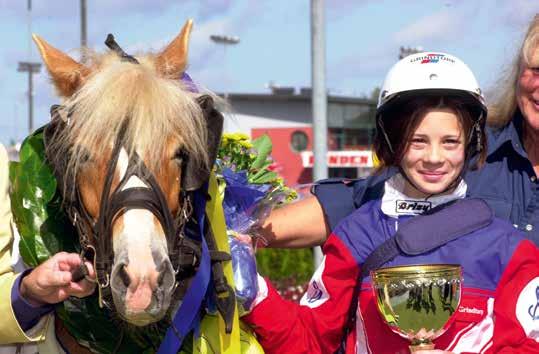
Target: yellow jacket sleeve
[(10, 331)]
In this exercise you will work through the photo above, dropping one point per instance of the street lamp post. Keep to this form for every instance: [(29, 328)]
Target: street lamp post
[(83, 26), (31, 68), (225, 41), (319, 98)]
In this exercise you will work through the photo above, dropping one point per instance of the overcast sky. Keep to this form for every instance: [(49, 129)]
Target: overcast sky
[(363, 40)]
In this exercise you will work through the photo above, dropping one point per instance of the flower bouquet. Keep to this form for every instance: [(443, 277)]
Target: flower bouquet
[(251, 190)]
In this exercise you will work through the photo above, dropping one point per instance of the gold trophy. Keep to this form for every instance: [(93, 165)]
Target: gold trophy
[(418, 301)]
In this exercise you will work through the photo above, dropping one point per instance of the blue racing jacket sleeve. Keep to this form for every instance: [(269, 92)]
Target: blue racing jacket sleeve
[(340, 197), (336, 197)]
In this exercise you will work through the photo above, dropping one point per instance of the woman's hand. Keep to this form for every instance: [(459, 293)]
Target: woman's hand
[(52, 281)]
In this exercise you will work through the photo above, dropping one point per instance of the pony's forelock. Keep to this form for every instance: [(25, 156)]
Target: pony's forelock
[(153, 109)]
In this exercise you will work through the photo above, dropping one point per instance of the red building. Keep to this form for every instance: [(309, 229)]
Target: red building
[(286, 117)]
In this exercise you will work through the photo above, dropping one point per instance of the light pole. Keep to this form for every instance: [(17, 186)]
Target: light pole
[(31, 68), (83, 36), (225, 41), (83, 31), (319, 98)]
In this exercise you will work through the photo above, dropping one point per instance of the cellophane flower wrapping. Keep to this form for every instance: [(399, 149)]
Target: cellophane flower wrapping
[(251, 191)]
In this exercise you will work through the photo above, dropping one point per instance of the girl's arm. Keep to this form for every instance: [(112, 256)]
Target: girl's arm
[(317, 325)]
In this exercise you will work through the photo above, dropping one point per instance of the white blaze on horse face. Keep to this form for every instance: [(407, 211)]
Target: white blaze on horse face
[(138, 240)]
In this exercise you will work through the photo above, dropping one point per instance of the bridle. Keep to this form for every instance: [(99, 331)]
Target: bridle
[(95, 235), (184, 242)]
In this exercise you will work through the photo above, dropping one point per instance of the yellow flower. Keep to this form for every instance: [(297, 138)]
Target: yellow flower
[(237, 136), (246, 144)]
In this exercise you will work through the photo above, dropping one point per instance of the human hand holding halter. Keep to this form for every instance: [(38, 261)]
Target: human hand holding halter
[(52, 281)]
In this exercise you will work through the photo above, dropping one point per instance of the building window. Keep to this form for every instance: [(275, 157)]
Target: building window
[(299, 141)]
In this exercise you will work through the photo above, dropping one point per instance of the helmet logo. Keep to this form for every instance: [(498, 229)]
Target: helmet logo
[(432, 58), (433, 76)]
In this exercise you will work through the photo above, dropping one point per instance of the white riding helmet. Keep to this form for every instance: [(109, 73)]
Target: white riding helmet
[(430, 73)]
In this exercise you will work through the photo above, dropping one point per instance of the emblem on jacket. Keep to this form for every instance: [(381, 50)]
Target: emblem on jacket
[(412, 206), (314, 293), (527, 308), (533, 309), (317, 293)]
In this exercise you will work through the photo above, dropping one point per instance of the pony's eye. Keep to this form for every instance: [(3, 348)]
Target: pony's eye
[(84, 157), (180, 155)]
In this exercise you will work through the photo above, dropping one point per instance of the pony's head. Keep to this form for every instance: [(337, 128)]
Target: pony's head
[(129, 142)]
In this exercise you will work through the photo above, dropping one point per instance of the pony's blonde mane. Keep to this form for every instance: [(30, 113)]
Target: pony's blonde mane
[(153, 109)]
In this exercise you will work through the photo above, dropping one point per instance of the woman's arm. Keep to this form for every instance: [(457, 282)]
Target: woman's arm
[(296, 225), (308, 223)]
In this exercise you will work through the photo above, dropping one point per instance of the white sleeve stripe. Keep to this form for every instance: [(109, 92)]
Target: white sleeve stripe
[(362, 341), (458, 335), (487, 346), (262, 293), (477, 337)]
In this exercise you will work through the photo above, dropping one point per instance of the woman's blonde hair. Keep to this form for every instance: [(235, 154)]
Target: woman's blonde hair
[(505, 101)]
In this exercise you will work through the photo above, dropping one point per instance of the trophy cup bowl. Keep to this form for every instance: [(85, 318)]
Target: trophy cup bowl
[(418, 301)]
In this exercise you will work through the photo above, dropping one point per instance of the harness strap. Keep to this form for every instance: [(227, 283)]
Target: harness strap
[(431, 230), (187, 317), (229, 342)]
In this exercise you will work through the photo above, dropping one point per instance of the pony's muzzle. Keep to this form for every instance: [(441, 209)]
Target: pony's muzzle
[(142, 296)]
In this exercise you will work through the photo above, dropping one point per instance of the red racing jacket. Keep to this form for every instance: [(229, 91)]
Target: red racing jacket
[(498, 311)]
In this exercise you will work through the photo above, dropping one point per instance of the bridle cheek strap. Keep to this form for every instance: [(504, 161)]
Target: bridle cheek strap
[(116, 203)]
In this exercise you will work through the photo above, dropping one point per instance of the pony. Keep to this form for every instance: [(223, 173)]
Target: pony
[(128, 144)]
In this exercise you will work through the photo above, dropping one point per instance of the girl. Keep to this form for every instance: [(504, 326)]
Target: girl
[(430, 121)]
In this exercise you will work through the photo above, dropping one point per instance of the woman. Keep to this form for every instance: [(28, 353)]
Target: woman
[(430, 120), (507, 181)]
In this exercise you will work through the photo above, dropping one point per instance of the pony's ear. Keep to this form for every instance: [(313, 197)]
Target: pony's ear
[(66, 74), (173, 59)]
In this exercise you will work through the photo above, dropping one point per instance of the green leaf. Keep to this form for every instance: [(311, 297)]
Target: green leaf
[(33, 186), (263, 176), (263, 147)]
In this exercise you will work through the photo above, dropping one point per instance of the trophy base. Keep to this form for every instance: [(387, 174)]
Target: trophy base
[(422, 346)]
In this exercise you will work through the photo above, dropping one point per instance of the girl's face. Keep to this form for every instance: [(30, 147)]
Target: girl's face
[(435, 154)]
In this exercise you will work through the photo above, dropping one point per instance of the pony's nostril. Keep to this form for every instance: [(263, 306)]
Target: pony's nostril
[(122, 272), (165, 277), (160, 278)]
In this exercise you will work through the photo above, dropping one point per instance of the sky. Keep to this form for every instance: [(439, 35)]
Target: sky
[(362, 41)]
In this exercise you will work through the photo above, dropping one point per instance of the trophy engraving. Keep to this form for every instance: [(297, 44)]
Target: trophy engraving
[(418, 301)]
